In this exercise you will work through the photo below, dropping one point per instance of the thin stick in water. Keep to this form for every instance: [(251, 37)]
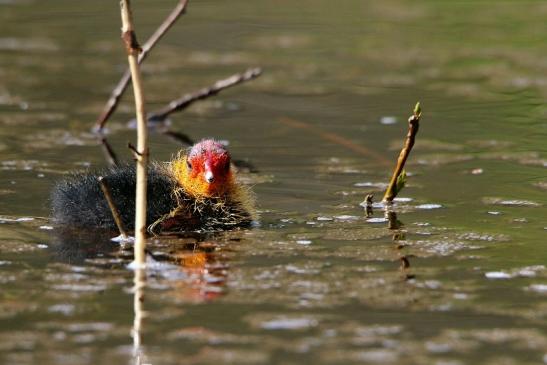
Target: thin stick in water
[(336, 139), (132, 48), (113, 209), (413, 126), (108, 151), (118, 91)]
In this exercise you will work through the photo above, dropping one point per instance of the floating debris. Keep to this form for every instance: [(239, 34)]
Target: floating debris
[(304, 242)]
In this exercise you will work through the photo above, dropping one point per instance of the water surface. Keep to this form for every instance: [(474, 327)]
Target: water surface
[(462, 281)]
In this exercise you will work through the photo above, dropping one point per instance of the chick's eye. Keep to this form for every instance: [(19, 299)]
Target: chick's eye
[(189, 164)]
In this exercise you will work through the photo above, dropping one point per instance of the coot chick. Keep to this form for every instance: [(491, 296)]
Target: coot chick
[(196, 191)]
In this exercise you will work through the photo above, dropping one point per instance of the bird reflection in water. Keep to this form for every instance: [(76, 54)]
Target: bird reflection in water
[(191, 264)]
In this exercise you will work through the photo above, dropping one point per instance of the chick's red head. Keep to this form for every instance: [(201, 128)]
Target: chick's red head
[(205, 170)]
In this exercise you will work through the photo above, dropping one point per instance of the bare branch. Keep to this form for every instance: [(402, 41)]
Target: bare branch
[(113, 208), (413, 126), (118, 91), (108, 151), (186, 100), (136, 154)]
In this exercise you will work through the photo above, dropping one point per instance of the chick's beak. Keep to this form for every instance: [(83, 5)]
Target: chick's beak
[(209, 177)]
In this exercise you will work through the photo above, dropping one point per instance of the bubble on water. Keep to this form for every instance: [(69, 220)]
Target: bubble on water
[(510, 202), (428, 206), (66, 309), (122, 239), (21, 219), (388, 120), (284, 323), (403, 200), (538, 288), (81, 287), (346, 217), (438, 348), (369, 184), (46, 228), (377, 220), (303, 242), (498, 275), (529, 271)]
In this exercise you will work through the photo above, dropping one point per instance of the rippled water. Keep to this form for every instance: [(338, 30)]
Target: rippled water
[(460, 280)]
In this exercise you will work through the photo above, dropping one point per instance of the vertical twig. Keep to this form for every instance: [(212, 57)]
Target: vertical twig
[(113, 208), (396, 182), (367, 203), (118, 91), (132, 47)]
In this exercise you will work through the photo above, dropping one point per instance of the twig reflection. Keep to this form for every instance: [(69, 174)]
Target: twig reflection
[(398, 236), (139, 283)]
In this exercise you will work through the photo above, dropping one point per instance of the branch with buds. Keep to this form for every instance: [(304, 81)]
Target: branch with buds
[(398, 179)]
